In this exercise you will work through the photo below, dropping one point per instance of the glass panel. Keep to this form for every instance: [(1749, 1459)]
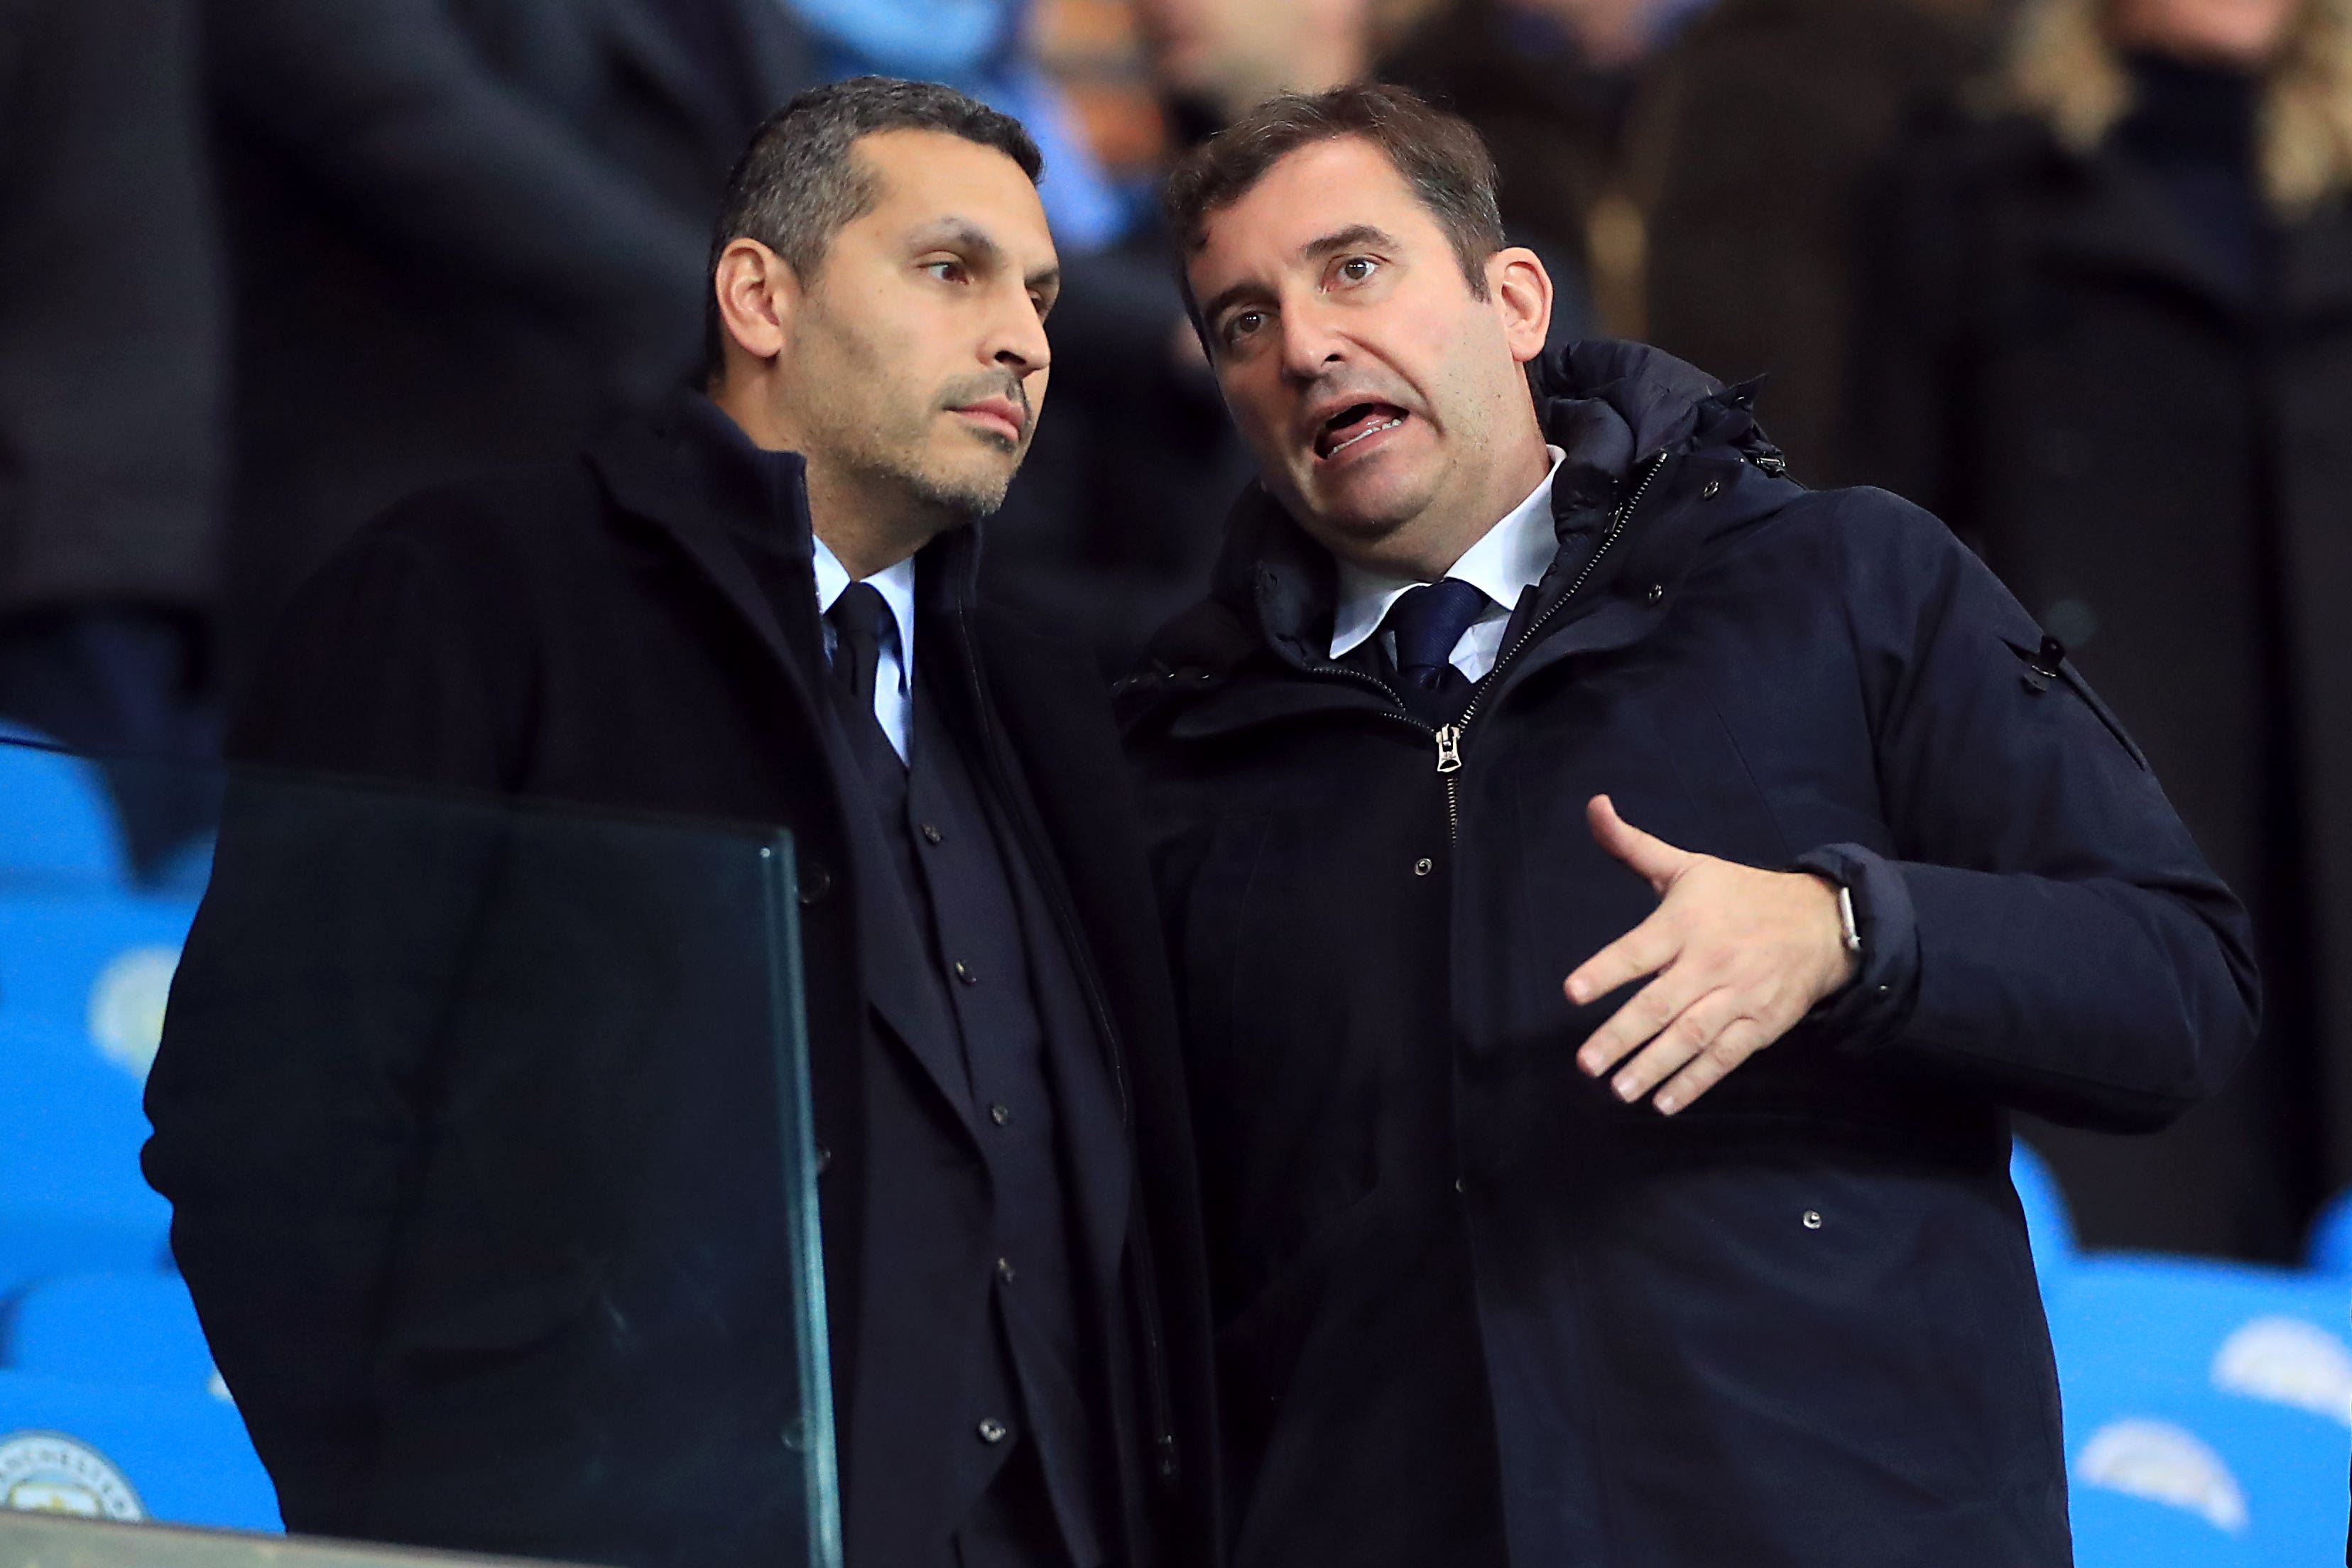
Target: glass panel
[(484, 1129)]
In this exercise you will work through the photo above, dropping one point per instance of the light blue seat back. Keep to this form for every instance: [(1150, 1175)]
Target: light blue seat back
[(2047, 1225), (57, 821), (134, 1329), (2330, 1250), (72, 1200), (2221, 1394), (129, 1453), (94, 964)]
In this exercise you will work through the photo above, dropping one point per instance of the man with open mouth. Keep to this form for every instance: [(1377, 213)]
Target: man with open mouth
[(1616, 895)]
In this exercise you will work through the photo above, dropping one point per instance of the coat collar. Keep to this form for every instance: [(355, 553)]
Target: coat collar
[(1623, 413)]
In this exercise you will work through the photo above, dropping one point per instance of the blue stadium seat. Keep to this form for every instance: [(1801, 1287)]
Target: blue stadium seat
[(98, 964), (60, 825), (2330, 1250), (138, 1329), (72, 1200), (129, 1453), (2188, 1385), (2047, 1225)]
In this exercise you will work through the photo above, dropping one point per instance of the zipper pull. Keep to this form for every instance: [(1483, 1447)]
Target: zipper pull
[(1449, 749)]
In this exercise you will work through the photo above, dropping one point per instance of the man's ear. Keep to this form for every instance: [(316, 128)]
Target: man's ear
[(758, 296), (1521, 291)]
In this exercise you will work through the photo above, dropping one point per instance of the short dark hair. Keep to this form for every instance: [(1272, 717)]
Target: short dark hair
[(1439, 154), (798, 182)]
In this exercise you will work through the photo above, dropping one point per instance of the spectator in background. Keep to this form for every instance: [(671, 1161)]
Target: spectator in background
[(2109, 338), (1700, 159), (110, 395), (460, 237)]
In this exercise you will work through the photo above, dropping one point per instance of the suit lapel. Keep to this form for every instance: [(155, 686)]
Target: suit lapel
[(652, 479)]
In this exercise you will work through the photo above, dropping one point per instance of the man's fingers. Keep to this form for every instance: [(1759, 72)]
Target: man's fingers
[(1683, 1040), (1645, 950), (1657, 861), (1739, 1040), (1648, 1011)]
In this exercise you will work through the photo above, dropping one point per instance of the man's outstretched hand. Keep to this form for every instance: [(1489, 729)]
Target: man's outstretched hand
[(1739, 954)]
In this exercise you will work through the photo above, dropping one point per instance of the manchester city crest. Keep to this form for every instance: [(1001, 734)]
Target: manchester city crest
[(48, 1472)]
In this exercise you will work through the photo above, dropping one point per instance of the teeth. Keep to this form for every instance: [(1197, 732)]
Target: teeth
[(1374, 430)]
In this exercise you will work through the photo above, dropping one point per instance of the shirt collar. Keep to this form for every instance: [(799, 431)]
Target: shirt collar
[(895, 584), (1509, 559)]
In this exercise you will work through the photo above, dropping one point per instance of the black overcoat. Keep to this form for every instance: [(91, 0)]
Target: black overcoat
[(1471, 1309), (441, 1332), (2155, 456)]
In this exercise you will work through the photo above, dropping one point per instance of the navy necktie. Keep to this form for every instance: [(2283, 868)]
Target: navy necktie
[(861, 620), (1428, 621)]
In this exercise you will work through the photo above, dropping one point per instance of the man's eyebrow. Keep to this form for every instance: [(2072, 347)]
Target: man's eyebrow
[(959, 234), (1355, 236)]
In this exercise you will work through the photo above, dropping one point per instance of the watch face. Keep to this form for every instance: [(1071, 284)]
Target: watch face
[(1845, 917)]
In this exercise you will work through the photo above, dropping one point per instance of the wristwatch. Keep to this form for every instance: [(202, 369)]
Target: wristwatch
[(1852, 934)]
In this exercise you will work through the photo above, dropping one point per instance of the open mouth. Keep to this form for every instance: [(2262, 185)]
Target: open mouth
[(1355, 424)]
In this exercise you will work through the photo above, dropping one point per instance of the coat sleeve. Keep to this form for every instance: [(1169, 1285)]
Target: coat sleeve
[(2046, 929), (287, 1095)]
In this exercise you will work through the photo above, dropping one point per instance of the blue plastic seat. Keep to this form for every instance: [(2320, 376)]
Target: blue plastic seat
[(2330, 1249), (57, 821), (72, 1200), (2250, 1369), (135, 1329), (90, 963), (2047, 1225), (129, 1453)]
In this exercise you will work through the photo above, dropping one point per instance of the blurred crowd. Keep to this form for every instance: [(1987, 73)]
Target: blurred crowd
[(2076, 275)]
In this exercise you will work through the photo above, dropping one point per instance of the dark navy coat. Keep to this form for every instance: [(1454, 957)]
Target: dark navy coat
[(1472, 1310)]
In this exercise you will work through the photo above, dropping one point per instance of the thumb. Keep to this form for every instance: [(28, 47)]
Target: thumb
[(1655, 860)]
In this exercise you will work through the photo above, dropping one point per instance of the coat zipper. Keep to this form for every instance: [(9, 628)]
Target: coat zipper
[(1449, 737), (1144, 1275)]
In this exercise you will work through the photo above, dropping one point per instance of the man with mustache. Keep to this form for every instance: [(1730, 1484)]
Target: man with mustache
[(759, 608), (1616, 894)]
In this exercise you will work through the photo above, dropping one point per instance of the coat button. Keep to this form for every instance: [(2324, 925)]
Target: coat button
[(1813, 1219), (966, 972), (1001, 1114), (1004, 1269), (815, 882), (1424, 867), (824, 1159), (1712, 488), (991, 1430), (931, 834), (1655, 594)]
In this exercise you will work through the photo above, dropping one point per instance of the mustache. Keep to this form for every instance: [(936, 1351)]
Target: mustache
[(968, 390)]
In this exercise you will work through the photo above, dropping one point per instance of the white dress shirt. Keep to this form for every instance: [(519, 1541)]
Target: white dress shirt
[(894, 671), (1509, 559)]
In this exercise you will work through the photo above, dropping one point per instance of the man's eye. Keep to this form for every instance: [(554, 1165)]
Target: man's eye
[(1356, 268), (1243, 323), (946, 271)]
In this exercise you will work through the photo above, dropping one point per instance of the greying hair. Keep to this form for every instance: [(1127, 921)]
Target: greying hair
[(799, 183), (1439, 155)]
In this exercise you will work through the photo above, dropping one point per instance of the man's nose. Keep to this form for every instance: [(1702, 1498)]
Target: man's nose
[(1017, 340), (1311, 344)]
